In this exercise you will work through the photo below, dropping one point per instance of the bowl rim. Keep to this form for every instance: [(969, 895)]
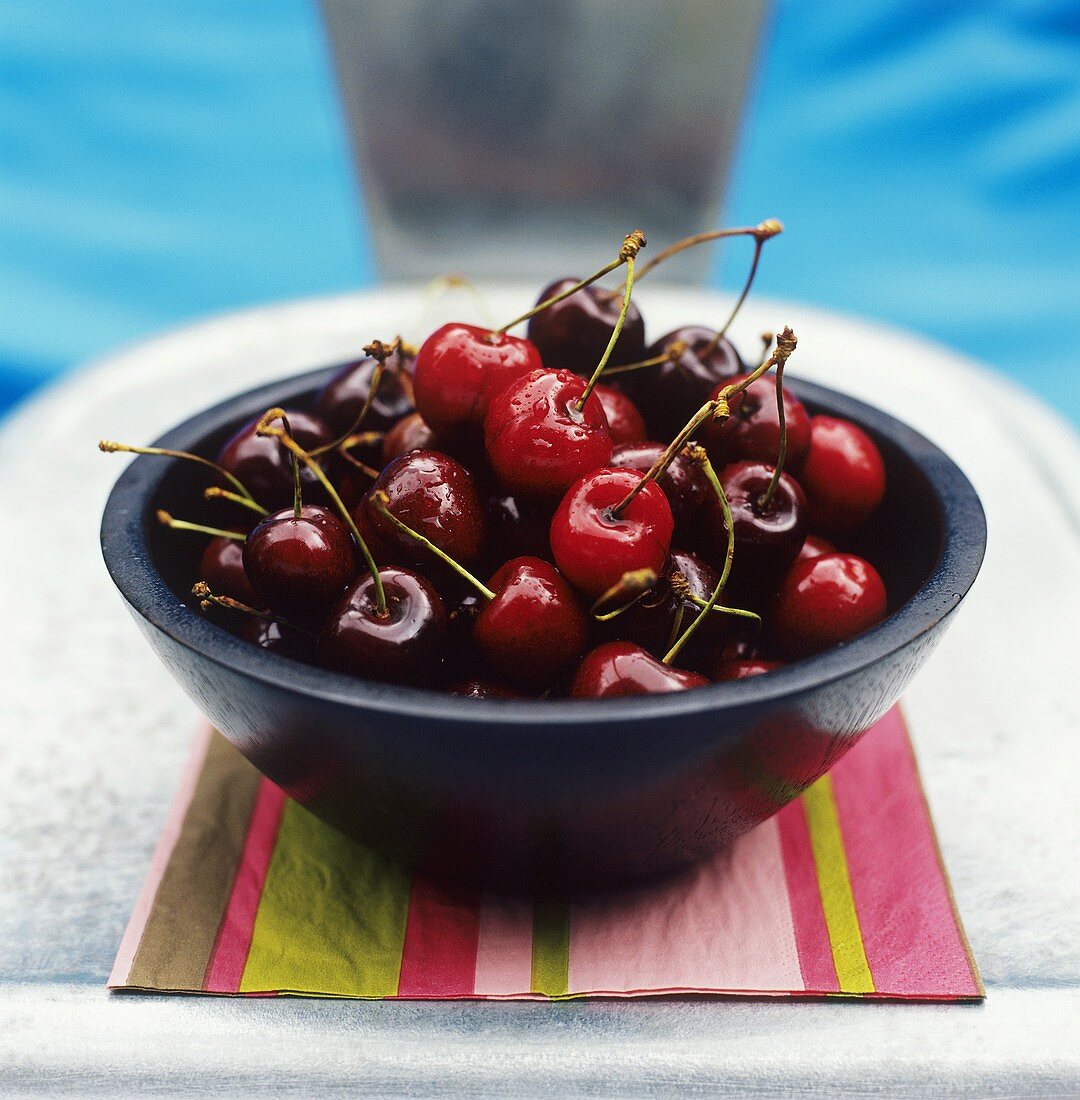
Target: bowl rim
[(126, 550)]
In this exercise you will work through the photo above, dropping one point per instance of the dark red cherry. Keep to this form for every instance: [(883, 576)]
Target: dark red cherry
[(572, 334), (843, 474), (410, 433), (593, 547), (624, 421), (483, 689), (533, 630), (518, 527), (753, 429), (814, 546), (684, 483), (265, 466), (434, 495), (622, 668), (300, 566), (403, 646), (743, 669), (339, 402), (669, 392), (222, 567), (767, 538), (537, 441), (459, 368), (825, 601), (277, 638)]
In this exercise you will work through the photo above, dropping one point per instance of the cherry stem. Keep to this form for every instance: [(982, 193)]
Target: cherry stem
[(109, 446), (766, 498), (629, 588), (616, 332), (363, 467), (697, 454), (760, 232), (382, 505), (632, 244), (672, 352), (265, 427), (199, 528), (201, 591), (297, 501), (213, 492), (380, 352)]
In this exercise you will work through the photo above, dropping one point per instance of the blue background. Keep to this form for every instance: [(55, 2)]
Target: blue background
[(160, 159)]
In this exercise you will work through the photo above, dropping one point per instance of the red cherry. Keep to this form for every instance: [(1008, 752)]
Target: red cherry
[(668, 392), (622, 668), (537, 441), (410, 433), (572, 334), (814, 546), (743, 669), (459, 368), (222, 567), (533, 630), (276, 637), (434, 495), (624, 421), (684, 483), (265, 466), (753, 429), (339, 402), (825, 601), (300, 566), (843, 475), (593, 547), (402, 646)]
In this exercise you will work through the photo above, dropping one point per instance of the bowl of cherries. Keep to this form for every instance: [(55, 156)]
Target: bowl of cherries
[(548, 605)]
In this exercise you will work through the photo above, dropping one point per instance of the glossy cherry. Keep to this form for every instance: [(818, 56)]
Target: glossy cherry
[(622, 668), (265, 466), (572, 334), (340, 401), (404, 645), (625, 423), (843, 475), (459, 368), (753, 429), (537, 440), (814, 546), (825, 601), (300, 565), (743, 669), (668, 392), (410, 433), (222, 567), (767, 538), (593, 547), (684, 484), (433, 494), (277, 638), (533, 631)]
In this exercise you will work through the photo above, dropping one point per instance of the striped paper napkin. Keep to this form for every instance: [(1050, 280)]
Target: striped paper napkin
[(842, 892)]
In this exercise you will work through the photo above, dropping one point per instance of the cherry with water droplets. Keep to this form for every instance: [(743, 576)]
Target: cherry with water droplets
[(684, 484), (622, 668), (843, 475)]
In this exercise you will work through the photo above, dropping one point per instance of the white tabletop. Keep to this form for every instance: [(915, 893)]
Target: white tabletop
[(94, 733)]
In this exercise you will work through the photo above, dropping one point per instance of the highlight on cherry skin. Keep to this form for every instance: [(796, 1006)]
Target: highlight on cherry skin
[(566, 507)]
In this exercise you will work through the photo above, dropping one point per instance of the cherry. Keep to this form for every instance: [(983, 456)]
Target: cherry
[(410, 433), (482, 689), (402, 644), (341, 400), (432, 493), (825, 601), (299, 565), (767, 538), (277, 637), (595, 541), (517, 526), (222, 567), (533, 630), (538, 441), (460, 368), (743, 669), (624, 421), (813, 547), (622, 668), (753, 429), (573, 333), (667, 390), (684, 484), (843, 475), (265, 466)]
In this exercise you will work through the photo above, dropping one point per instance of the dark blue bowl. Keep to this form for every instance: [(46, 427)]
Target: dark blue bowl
[(553, 793)]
